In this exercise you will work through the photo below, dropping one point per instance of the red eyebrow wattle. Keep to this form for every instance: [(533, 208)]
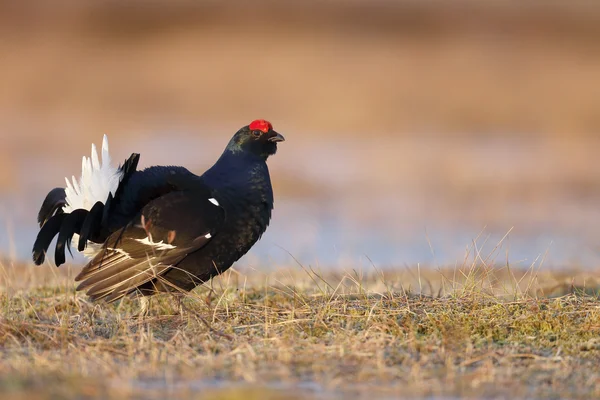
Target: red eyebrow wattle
[(260, 125)]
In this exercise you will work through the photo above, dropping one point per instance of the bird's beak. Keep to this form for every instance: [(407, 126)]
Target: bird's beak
[(277, 137)]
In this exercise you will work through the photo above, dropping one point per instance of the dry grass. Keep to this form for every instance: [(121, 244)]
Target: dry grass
[(295, 333)]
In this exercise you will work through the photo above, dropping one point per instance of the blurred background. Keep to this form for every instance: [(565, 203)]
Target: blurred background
[(416, 131)]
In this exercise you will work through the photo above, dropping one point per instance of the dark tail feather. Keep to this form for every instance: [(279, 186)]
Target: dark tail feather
[(128, 168), (71, 225), (106, 210), (52, 219), (91, 224), (53, 203), (44, 238)]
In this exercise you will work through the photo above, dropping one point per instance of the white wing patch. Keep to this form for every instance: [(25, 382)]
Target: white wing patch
[(214, 201), (157, 245), (98, 179), (120, 251)]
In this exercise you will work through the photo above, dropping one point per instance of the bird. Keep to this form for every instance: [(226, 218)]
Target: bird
[(161, 229)]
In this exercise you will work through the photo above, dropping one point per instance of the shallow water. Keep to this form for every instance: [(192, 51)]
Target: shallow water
[(224, 389), (402, 202)]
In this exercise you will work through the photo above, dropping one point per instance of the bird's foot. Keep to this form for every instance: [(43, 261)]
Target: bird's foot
[(144, 306), (178, 303)]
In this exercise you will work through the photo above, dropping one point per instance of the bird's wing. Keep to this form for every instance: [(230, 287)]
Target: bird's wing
[(164, 233)]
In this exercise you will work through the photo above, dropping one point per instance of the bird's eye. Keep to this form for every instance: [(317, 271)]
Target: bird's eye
[(257, 133)]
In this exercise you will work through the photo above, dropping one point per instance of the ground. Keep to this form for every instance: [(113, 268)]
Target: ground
[(295, 333)]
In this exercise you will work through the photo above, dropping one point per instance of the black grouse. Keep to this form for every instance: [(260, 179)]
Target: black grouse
[(161, 229)]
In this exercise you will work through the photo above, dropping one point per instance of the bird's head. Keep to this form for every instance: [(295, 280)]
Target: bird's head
[(257, 138)]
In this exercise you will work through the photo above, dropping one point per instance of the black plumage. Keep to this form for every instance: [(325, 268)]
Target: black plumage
[(91, 224), (53, 204), (47, 232), (165, 228)]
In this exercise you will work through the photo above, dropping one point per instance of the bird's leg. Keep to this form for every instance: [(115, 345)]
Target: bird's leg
[(179, 302), (144, 305)]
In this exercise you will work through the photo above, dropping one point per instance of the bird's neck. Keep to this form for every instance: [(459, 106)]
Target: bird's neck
[(235, 169)]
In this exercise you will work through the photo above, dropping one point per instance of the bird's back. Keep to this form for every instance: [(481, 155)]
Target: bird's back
[(144, 186)]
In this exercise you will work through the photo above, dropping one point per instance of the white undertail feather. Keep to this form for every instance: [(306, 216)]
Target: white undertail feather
[(91, 249), (97, 180)]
